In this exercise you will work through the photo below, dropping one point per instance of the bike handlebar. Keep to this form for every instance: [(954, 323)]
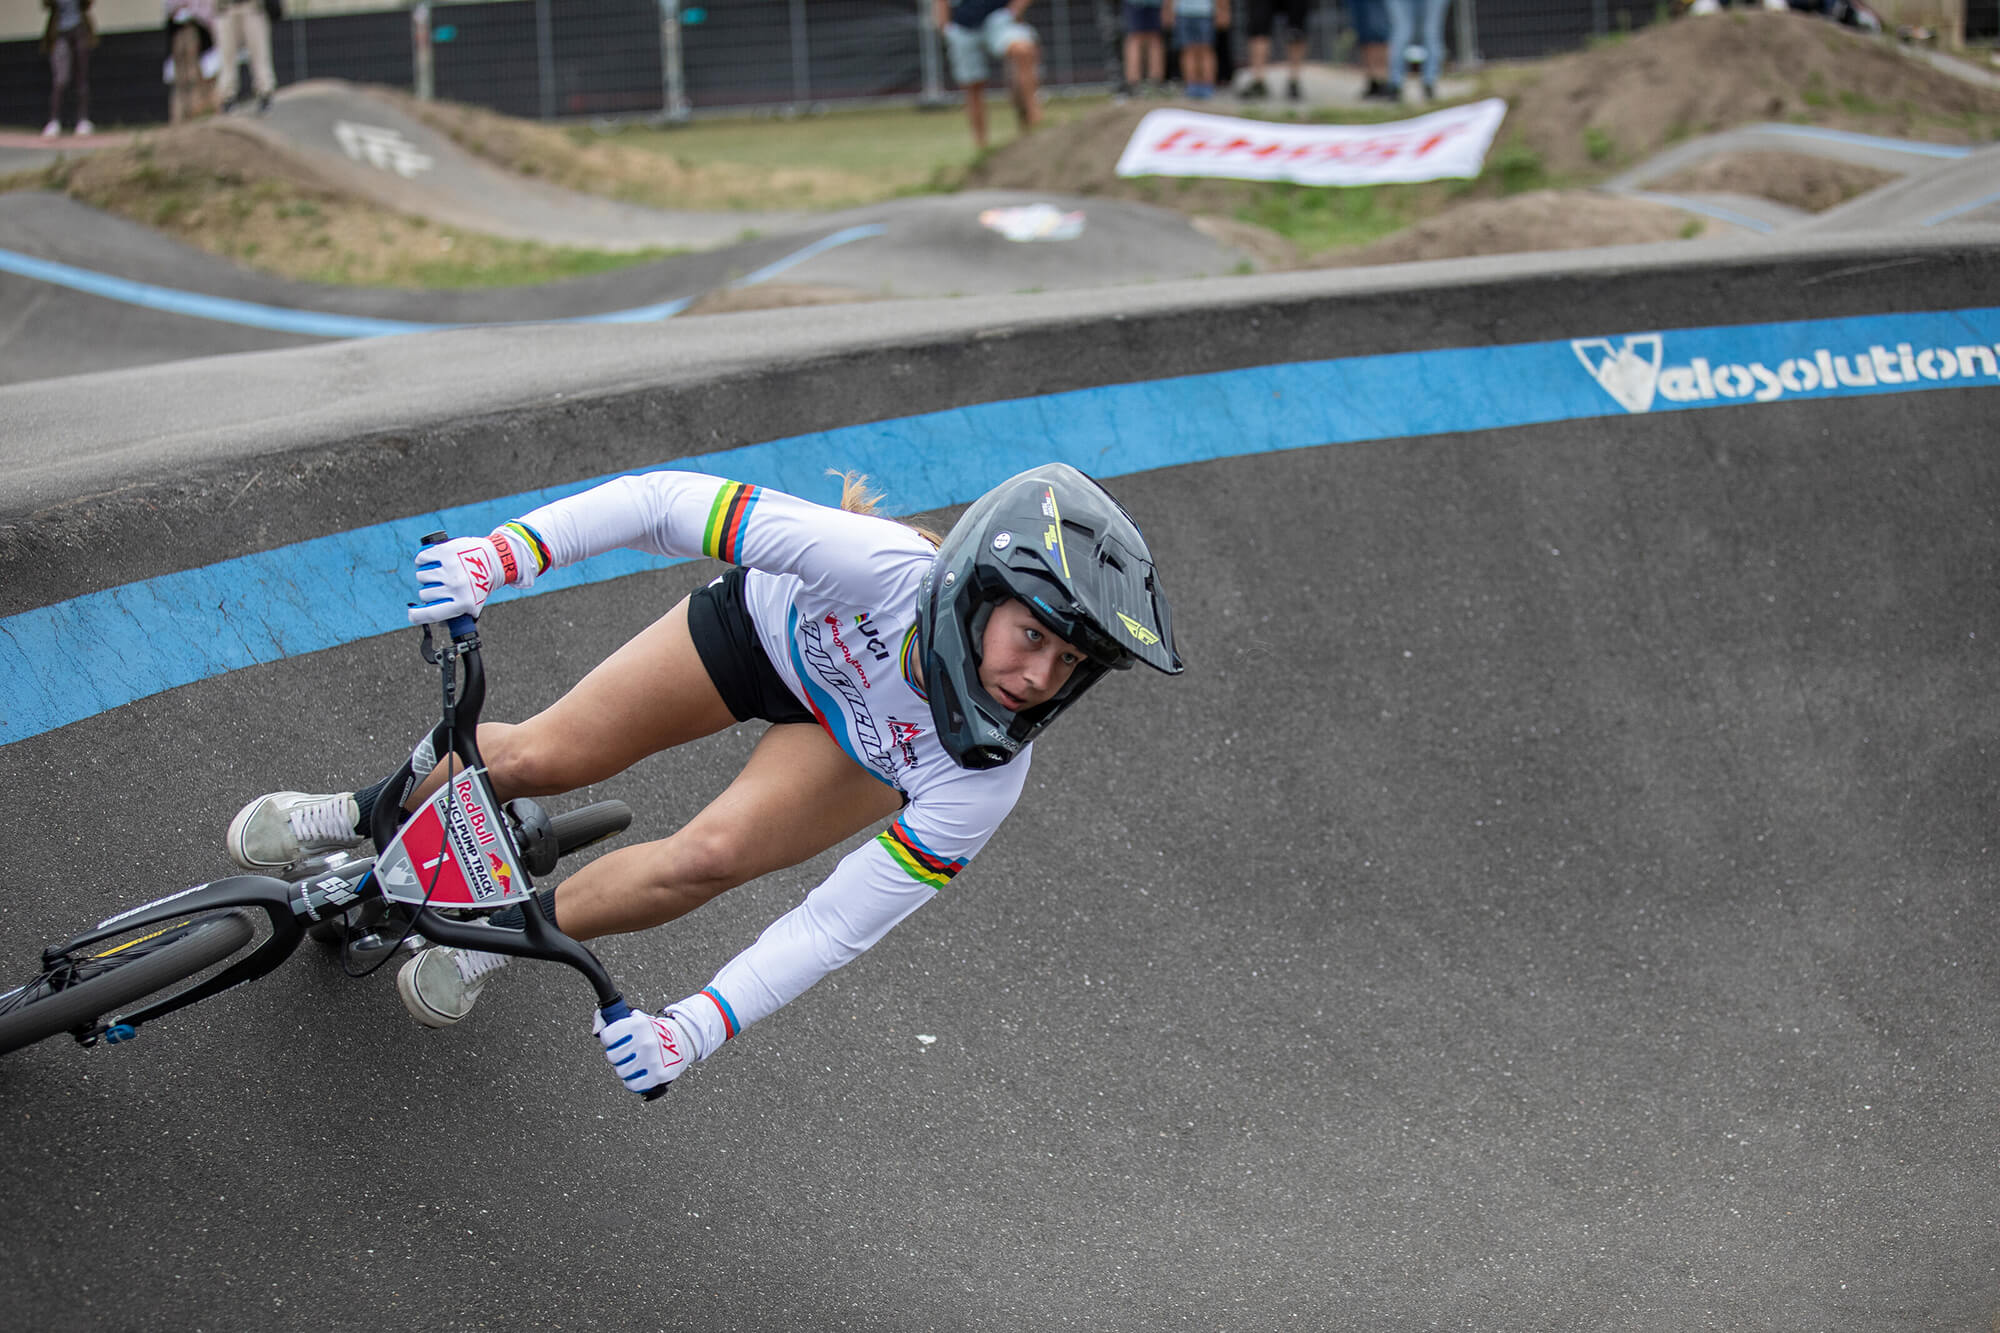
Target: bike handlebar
[(539, 936)]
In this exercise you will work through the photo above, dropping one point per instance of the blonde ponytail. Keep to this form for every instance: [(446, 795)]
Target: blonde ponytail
[(857, 498)]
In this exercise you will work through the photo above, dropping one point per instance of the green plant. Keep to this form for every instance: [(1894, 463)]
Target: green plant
[(1599, 144), (1517, 167), (1320, 218)]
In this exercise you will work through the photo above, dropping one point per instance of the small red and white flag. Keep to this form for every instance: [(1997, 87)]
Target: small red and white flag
[(1447, 143)]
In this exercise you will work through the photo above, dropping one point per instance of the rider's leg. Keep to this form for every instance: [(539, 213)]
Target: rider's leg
[(652, 694), (799, 795)]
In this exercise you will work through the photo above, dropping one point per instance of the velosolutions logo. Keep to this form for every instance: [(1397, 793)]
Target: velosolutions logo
[(1636, 371)]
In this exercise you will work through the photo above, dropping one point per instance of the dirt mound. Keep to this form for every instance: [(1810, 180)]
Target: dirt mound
[(774, 296), (220, 186), (589, 164), (1797, 180), (1540, 220), (1581, 117), (1615, 104), (167, 163)]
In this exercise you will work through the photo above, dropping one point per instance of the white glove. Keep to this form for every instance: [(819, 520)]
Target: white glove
[(455, 578), (645, 1051)]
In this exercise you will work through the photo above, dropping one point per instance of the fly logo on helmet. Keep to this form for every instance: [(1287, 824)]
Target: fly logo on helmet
[(1090, 580)]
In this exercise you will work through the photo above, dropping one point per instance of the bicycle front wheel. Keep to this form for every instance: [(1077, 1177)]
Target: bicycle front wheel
[(86, 987)]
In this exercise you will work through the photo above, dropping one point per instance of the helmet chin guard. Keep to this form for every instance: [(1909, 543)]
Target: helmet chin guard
[(1055, 540)]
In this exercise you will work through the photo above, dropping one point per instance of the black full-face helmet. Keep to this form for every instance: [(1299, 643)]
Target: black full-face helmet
[(1057, 541)]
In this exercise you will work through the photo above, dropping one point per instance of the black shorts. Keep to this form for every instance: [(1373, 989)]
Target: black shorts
[(1296, 13), (736, 661)]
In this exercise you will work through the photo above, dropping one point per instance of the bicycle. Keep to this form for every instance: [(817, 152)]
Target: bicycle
[(438, 875)]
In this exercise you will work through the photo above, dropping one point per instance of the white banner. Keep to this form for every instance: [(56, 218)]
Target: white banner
[(1452, 142)]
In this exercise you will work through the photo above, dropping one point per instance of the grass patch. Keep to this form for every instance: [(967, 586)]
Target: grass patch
[(1316, 218), (1516, 168)]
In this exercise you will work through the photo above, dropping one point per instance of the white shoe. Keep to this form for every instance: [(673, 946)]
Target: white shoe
[(85, 127), (440, 985), (286, 827), (52, 130)]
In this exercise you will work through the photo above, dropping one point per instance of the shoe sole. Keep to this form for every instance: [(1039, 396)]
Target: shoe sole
[(406, 987)]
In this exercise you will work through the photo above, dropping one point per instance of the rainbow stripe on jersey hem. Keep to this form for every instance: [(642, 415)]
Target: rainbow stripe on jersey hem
[(918, 861), (727, 519)]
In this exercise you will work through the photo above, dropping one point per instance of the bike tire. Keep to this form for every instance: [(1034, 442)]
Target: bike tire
[(578, 829), (116, 977)]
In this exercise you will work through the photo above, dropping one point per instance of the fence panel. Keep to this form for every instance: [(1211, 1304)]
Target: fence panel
[(548, 59), (362, 48)]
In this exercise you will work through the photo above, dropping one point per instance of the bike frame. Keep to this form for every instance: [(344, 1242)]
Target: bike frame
[(292, 907)]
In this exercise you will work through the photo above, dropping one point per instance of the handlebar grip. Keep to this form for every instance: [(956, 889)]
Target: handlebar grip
[(459, 627), (616, 1010)]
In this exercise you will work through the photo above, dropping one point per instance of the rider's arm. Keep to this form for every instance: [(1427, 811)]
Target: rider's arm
[(688, 514), (874, 887)]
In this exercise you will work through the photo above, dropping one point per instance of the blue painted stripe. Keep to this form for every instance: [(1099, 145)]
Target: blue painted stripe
[(817, 248), (1704, 208), (220, 309), (322, 324), (1951, 213), (1940, 150), (91, 653)]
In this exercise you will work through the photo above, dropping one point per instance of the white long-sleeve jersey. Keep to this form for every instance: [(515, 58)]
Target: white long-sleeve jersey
[(833, 596)]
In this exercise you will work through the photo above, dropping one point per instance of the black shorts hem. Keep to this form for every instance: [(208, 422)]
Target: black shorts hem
[(734, 657)]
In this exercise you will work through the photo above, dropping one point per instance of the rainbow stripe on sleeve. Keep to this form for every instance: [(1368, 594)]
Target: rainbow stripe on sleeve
[(922, 864), (531, 541), (727, 518), (729, 1025)]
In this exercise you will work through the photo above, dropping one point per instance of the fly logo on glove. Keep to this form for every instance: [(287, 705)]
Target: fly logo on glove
[(477, 571), (455, 578), (646, 1051)]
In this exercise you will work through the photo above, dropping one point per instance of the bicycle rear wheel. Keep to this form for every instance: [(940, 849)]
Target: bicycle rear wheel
[(89, 986)]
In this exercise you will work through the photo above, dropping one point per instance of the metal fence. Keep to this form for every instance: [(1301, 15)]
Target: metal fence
[(552, 59)]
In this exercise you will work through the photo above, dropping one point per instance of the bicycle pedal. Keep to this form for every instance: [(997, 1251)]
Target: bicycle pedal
[(367, 948)]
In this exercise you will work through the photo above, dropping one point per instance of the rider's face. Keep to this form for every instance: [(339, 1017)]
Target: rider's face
[(1023, 663)]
